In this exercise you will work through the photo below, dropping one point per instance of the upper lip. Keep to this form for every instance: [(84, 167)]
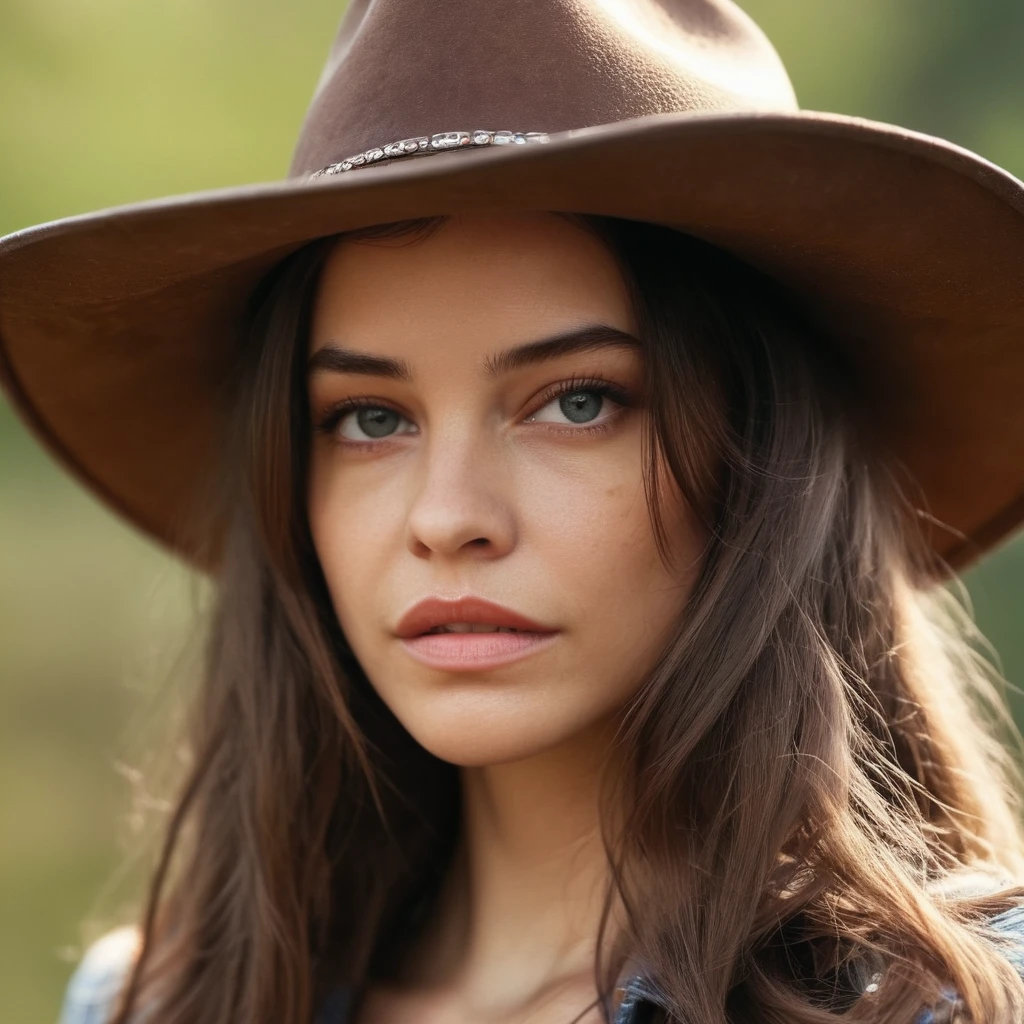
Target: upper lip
[(437, 611)]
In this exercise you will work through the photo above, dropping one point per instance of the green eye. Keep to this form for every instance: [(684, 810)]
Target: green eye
[(581, 406), (375, 421), (580, 401)]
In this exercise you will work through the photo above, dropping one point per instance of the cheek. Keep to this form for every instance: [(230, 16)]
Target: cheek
[(355, 531), (596, 543), (593, 527)]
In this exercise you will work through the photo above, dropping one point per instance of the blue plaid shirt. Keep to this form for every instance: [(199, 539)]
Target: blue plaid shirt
[(95, 985)]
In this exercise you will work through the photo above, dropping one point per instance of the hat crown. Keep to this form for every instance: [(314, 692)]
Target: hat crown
[(406, 68)]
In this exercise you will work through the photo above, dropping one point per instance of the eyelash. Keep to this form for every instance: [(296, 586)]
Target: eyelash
[(596, 385)]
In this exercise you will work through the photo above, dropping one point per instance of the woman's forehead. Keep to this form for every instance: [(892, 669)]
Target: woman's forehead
[(500, 277)]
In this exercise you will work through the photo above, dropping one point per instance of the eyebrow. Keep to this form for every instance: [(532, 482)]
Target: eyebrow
[(334, 358)]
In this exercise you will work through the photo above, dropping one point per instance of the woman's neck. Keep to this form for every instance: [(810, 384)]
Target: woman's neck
[(520, 910)]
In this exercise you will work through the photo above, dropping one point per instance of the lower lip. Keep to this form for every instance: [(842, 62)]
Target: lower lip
[(474, 652)]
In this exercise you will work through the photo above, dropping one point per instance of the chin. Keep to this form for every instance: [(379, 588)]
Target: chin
[(475, 730)]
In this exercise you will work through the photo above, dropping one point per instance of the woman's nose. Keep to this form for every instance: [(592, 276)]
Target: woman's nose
[(461, 498)]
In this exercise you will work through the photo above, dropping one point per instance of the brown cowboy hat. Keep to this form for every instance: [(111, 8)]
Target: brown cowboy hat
[(117, 328)]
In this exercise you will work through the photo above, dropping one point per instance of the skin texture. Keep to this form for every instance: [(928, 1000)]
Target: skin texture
[(486, 486)]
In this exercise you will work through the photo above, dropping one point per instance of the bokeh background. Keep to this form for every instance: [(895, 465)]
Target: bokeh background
[(104, 102)]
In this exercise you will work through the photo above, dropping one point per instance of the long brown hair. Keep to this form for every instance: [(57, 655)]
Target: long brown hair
[(816, 751)]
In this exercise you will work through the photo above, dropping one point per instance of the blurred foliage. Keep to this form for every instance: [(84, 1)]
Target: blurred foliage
[(110, 101)]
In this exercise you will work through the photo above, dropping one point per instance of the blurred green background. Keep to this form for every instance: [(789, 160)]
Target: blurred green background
[(111, 101)]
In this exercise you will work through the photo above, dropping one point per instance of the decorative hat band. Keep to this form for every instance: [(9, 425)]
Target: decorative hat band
[(425, 145)]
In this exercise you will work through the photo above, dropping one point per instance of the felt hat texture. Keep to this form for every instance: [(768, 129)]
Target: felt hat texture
[(120, 328)]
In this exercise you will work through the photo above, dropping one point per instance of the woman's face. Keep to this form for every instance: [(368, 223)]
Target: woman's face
[(465, 472)]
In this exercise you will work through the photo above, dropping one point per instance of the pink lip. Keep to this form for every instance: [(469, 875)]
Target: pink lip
[(438, 611), (469, 652), (474, 652)]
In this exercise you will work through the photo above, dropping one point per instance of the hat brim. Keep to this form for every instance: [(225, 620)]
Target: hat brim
[(119, 328)]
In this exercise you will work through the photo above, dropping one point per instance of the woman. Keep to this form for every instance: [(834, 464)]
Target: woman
[(578, 652)]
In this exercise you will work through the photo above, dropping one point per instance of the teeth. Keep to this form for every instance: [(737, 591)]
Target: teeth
[(474, 627)]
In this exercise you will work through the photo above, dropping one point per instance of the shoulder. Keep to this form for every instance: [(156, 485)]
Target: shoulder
[(1005, 929), (1008, 929), (92, 992)]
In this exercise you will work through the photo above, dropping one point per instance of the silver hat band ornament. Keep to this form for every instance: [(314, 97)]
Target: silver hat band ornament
[(425, 145)]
